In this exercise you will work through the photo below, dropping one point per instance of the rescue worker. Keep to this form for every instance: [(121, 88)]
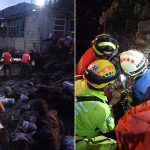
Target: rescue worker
[(7, 62), (132, 130), (25, 65), (93, 114), (104, 46), (135, 65)]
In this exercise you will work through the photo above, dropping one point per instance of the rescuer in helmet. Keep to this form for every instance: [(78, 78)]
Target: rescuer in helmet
[(93, 114), (104, 46)]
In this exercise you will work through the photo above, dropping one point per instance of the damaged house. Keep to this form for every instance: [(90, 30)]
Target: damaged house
[(25, 26)]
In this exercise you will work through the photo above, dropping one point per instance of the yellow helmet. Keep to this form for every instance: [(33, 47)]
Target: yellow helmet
[(100, 73)]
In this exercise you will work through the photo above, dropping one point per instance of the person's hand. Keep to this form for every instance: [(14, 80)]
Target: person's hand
[(116, 97)]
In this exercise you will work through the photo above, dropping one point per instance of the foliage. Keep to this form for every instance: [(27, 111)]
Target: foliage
[(127, 15)]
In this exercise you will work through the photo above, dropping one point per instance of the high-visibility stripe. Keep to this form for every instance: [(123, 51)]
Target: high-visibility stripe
[(107, 44), (97, 52), (99, 36)]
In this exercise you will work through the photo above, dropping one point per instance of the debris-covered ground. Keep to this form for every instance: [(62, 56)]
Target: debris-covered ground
[(45, 82)]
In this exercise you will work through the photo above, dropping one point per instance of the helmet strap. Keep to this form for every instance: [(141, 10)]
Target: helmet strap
[(93, 88), (139, 75)]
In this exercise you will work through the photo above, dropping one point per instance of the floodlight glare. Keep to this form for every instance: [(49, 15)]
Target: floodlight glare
[(40, 2)]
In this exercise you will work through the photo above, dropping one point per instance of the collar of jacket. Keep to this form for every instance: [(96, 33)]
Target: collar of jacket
[(85, 90)]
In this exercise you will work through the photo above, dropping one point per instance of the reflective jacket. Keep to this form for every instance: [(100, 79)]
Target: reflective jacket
[(87, 58), (7, 57), (25, 58), (94, 115), (140, 87)]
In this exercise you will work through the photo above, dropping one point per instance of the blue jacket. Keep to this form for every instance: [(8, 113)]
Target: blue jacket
[(140, 87)]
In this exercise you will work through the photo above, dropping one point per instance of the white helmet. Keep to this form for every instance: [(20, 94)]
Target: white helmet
[(133, 62)]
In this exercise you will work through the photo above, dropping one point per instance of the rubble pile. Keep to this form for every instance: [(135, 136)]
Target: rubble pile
[(46, 83)]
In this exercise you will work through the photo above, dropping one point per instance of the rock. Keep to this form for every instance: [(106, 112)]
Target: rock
[(23, 98), (68, 87), (146, 8), (8, 92), (45, 84), (68, 142), (140, 40), (29, 127), (148, 37), (7, 101), (144, 26)]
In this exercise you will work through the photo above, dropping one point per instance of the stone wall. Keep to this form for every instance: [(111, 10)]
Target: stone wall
[(12, 43), (143, 38), (31, 35)]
